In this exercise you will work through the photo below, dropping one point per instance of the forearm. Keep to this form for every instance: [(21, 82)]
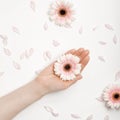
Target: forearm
[(13, 103)]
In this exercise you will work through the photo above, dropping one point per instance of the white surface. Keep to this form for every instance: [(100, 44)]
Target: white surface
[(80, 98)]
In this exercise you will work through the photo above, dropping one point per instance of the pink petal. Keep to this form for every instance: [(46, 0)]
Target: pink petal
[(45, 26), (55, 43), (47, 55), (16, 65), (101, 58), (22, 56), (48, 109), (7, 52), (31, 51), (94, 28), (117, 76), (102, 43), (33, 5), (75, 116), (100, 99), (115, 39), (90, 117), (1, 74), (16, 30), (106, 117), (81, 30), (55, 114), (109, 27), (4, 39)]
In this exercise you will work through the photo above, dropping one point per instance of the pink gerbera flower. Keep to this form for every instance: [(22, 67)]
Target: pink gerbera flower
[(111, 96), (61, 13), (67, 67)]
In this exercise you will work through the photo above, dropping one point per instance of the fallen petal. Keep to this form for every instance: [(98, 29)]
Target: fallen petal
[(33, 5), (109, 27), (115, 39), (75, 116), (81, 30), (48, 109), (7, 51), (90, 117), (100, 99), (47, 55), (94, 28), (4, 39), (45, 26), (117, 76), (1, 74), (101, 58), (16, 30), (16, 65), (55, 43), (31, 51), (106, 117), (22, 56), (55, 114), (102, 43)]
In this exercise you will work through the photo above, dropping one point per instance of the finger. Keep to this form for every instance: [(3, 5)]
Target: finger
[(83, 55), (79, 52), (85, 62), (70, 51)]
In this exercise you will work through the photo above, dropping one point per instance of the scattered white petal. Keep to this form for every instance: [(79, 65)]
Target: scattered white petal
[(22, 56), (117, 76), (16, 30), (55, 114), (4, 39), (27, 53), (76, 116), (55, 43), (106, 117), (81, 30), (16, 65), (102, 43), (33, 5), (7, 51), (48, 109), (101, 58), (109, 27), (1, 74), (100, 99), (90, 117), (94, 28), (47, 55), (115, 39), (45, 26)]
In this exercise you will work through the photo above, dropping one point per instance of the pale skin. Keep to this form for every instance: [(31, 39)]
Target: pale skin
[(46, 82)]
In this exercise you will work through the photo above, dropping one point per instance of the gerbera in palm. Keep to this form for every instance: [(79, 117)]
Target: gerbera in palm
[(67, 67)]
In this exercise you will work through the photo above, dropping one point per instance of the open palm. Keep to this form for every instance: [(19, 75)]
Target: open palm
[(51, 82)]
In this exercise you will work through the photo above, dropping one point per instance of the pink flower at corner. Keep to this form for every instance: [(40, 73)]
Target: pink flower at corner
[(61, 13), (67, 67), (111, 96)]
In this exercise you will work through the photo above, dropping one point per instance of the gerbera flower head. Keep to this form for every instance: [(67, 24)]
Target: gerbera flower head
[(111, 96), (67, 67), (61, 13)]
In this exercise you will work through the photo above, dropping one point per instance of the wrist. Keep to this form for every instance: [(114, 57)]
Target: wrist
[(38, 89)]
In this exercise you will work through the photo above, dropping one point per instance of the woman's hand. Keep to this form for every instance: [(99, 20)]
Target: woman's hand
[(51, 83)]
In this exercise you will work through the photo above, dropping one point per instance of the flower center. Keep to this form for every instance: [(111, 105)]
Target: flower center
[(116, 96), (67, 67), (62, 12)]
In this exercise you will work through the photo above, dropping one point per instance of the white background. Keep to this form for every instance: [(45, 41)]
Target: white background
[(34, 30)]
